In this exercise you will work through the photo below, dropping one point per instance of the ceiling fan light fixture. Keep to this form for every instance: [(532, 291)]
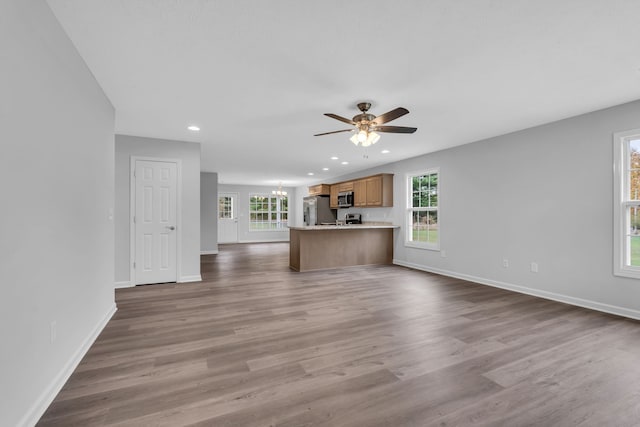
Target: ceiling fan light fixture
[(372, 138), (365, 124)]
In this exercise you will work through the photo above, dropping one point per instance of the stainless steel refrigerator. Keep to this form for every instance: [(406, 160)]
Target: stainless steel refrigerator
[(317, 211)]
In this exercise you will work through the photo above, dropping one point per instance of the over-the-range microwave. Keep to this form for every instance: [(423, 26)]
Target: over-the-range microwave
[(345, 199)]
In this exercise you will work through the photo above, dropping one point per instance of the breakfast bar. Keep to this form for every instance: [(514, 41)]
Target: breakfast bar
[(320, 247)]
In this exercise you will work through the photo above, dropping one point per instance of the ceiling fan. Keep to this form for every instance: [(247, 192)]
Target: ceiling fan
[(367, 125)]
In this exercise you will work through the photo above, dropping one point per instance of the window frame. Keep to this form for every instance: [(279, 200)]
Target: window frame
[(231, 205), (280, 225), (408, 242), (621, 221)]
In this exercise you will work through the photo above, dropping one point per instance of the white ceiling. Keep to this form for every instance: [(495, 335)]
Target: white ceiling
[(258, 75)]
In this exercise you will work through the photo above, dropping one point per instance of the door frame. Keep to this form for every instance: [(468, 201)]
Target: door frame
[(235, 211), (132, 212)]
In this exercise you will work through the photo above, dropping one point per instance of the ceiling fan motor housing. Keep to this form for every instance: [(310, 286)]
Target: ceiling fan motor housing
[(363, 118)]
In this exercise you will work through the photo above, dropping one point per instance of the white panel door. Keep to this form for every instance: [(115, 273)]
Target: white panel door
[(155, 222), (227, 218)]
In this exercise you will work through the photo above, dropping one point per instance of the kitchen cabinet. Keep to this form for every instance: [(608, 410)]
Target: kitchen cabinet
[(320, 190), (345, 186), (374, 191), (360, 193), (333, 197)]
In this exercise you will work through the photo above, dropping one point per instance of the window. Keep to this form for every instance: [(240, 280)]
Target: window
[(627, 204), (422, 210), (225, 207), (268, 212)]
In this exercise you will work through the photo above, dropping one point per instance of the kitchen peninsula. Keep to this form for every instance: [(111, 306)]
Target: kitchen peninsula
[(318, 247)]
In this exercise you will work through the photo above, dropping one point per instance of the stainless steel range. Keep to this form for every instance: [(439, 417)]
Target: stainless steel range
[(353, 218)]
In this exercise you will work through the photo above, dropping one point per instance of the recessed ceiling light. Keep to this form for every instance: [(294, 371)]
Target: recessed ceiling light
[(385, 151), (193, 128), (334, 158), (345, 163), (310, 173), (325, 169)]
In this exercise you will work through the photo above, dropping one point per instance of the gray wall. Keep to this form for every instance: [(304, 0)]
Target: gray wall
[(189, 154), (244, 192), (209, 213), (539, 195), (56, 249)]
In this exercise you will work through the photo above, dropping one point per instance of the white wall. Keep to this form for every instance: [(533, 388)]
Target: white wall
[(540, 195), (189, 154), (56, 244), (244, 192), (209, 213)]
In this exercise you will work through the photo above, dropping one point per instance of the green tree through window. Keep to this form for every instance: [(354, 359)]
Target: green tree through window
[(268, 212), (422, 212)]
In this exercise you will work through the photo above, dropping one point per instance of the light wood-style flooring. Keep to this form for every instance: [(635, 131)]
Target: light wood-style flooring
[(256, 344)]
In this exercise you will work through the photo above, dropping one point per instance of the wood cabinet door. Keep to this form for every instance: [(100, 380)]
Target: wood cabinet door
[(360, 193), (374, 191), (345, 186), (319, 190), (333, 197)]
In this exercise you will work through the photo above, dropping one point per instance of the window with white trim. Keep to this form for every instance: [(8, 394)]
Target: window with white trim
[(225, 207), (268, 212), (627, 203), (422, 210)]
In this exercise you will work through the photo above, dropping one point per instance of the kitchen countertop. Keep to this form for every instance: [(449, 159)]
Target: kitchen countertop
[(343, 227)]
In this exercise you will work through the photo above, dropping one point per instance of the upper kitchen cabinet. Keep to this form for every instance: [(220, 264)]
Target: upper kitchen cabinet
[(345, 186), (360, 193), (320, 190), (371, 192), (375, 191), (333, 197)]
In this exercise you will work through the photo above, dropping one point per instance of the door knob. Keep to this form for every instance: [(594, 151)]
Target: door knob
[(171, 227)]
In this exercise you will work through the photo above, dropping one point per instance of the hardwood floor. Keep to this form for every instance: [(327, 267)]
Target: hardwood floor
[(256, 344)]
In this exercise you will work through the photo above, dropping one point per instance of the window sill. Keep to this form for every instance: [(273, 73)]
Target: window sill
[(627, 272), (429, 247)]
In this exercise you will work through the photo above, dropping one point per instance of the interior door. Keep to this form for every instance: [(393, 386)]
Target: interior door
[(154, 219), (227, 218)]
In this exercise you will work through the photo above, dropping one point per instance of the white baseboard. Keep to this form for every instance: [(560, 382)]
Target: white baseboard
[(186, 279), (593, 305), (265, 241), (124, 284), (209, 252), (41, 404)]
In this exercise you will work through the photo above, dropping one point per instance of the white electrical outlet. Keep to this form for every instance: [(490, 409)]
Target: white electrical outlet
[(505, 263), (443, 253), (534, 267), (54, 331)]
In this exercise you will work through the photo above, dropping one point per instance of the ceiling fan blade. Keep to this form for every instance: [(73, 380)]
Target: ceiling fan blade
[(391, 115), (342, 119), (394, 129), (335, 131)]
